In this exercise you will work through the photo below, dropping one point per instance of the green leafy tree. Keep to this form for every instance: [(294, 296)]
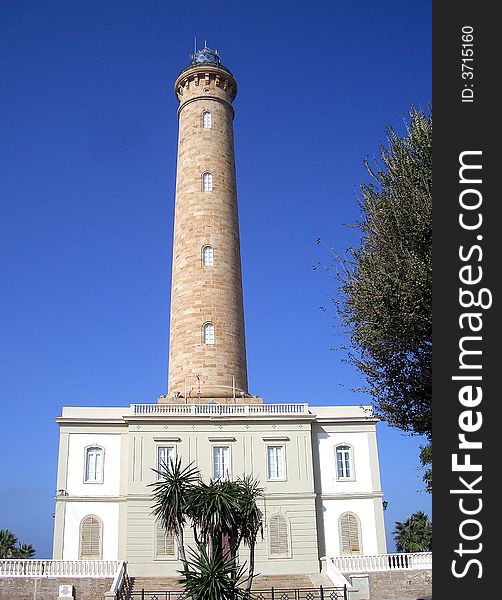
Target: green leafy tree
[(414, 535), (426, 460), (385, 285)]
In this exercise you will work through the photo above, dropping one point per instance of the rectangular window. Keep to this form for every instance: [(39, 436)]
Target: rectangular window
[(94, 465), (343, 462), (221, 462), (164, 455), (275, 460)]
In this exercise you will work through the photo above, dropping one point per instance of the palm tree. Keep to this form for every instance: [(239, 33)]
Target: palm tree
[(8, 543), (250, 520), (9, 549), (212, 578), (223, 514), (25, 551), (213, 510), (415, 534), (170, 495)]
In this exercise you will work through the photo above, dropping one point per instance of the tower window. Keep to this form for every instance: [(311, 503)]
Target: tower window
[(207, 120), (208, 333), (207, 182), (344, 462), (94, 465), (207, 256)]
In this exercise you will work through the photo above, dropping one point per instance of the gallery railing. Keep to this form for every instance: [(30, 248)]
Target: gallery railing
[(204, 410)]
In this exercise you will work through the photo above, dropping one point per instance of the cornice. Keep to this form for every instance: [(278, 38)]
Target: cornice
[(89, 421), (348, 419), (350, 495), (90, 498), (230, 419)]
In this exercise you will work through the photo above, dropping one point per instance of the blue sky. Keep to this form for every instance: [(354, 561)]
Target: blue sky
[(87, 175)]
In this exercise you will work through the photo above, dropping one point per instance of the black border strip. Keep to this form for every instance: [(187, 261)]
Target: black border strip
[(466, 121)]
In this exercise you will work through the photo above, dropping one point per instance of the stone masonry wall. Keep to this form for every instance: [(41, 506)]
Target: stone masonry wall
[(400, 585), (47, 588), (206, 294)]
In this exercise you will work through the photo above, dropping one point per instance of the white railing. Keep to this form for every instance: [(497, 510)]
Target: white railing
[(118, 580), (59, 568), (334, 574), (383, 562), (204, 410)]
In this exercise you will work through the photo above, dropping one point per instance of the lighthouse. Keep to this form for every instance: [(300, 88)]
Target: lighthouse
[(207, 351)]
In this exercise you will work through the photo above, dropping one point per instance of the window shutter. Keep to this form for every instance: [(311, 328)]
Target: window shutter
[(164, 543), (90, 539), (278, 535), (349, 534)]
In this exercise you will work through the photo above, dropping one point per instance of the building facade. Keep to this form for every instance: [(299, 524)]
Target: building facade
[(318, 465)]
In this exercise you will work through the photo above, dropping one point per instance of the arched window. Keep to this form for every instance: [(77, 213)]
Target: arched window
[(278, 536), (207, 120), (207, 182), (344, 468), (208, 333), (91, 534), (164, 543), (94, 464), (350, 534), (207, 256)]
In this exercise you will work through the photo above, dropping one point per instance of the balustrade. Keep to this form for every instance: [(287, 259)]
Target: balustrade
[(383, 562), (58, 568), (203, 410)]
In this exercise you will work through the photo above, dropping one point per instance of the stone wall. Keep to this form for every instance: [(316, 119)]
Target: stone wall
[(47, 588), (206, 294), (400, 585)]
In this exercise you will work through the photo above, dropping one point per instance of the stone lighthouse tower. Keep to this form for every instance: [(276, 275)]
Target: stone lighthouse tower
[(207, 355)]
